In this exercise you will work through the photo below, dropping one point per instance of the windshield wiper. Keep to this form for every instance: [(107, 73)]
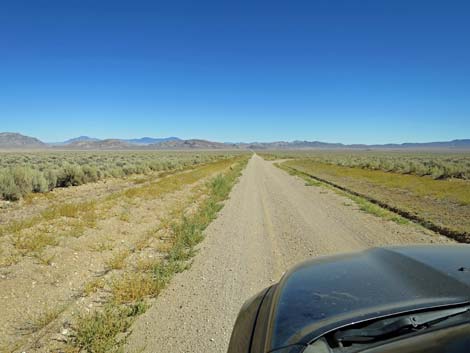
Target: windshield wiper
[(394, 327)]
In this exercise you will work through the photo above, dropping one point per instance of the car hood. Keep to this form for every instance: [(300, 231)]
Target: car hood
[(327, 293)]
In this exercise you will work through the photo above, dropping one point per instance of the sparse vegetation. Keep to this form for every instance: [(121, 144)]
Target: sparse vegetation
[(39, 172), (442, 205), (33, 242), (92, 286), (135, 287), (102, 239), (76, 217), (99, 331), (364, 204), (42, 319), (437, 165), (118, 259)]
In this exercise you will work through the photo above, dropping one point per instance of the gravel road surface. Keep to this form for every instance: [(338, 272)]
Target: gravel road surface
[(271, 222)]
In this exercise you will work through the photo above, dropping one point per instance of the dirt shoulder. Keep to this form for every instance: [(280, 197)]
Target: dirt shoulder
[(271, 222), (65, 249), (441, 205)]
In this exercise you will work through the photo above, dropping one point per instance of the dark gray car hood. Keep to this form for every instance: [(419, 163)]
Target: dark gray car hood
[(327, 293)]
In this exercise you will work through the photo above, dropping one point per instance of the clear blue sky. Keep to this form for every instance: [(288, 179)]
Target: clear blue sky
[(341, 71)]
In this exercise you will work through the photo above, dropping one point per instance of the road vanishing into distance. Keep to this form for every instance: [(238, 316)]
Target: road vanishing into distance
[(271, 222)]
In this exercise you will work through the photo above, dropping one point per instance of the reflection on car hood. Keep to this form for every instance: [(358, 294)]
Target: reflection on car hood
[(326, 293)]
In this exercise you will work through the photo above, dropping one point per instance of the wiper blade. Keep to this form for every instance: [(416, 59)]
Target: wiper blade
[(386, 328)]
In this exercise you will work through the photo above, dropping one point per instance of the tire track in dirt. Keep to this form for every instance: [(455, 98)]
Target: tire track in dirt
[(271, 222)]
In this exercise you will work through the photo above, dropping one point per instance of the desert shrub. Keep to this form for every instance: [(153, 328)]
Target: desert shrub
[(39, 182), (16, 182), (70, 175), (23, 178), (129, 169), (90, 174), (51, 178), (8, 189)]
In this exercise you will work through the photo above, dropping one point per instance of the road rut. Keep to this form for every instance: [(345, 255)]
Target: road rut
[(271, 222)]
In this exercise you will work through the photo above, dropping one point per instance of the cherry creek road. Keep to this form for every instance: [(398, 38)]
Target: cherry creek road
[(271, 221)]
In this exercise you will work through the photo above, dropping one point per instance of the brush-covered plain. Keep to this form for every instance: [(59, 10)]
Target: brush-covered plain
[(82, 261), (22, 173)]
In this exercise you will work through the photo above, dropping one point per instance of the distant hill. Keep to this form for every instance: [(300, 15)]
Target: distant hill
[(151, 140), (292, 145), (109, 144), (12, 140), (191, 144), (80, 138)]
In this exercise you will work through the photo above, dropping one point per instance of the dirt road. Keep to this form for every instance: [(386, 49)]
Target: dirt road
[(271, 222)]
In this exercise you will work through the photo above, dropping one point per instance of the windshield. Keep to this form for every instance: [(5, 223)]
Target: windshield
[(355, 337)]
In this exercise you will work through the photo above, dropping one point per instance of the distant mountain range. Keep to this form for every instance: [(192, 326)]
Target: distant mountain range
[(9, 140), (138, 141), (295, 145)]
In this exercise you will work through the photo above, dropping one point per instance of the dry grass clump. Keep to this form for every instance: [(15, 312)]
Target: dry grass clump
[(43, 319), (7, 258), (145, 265), (93, 286), (125, 216), (117, 262), (97, 332), (83, 212), (36, 233), (135, 286), (45, 259), (101, 246), (71, 210), (33, 241)]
